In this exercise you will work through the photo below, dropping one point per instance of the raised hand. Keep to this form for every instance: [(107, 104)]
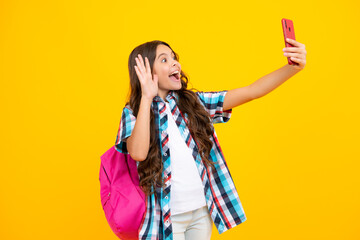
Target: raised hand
[(149, 86), (297, 53)]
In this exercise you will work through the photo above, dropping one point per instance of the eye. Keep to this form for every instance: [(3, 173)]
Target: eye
[(165, 58)]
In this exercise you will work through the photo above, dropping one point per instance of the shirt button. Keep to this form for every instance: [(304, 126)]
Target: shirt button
[(165, 154), (166, 197)]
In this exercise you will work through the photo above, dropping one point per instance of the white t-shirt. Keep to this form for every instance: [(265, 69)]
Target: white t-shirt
[(187, 191)]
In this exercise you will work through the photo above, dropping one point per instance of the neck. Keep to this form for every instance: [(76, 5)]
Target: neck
[(163, 94)]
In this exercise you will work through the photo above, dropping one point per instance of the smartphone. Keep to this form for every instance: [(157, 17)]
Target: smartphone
[(288, 30)]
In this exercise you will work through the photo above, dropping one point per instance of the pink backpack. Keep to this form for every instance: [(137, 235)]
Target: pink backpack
[(122, 199)]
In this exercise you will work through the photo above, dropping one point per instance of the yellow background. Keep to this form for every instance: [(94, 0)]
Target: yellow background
[(293, 154)]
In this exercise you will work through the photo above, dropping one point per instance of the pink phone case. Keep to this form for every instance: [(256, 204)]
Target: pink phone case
[(288, 30)]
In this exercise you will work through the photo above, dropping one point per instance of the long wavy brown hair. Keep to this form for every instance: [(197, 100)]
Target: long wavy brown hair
[(201, 129)]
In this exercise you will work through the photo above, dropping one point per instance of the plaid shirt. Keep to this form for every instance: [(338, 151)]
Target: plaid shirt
[(220, 192)]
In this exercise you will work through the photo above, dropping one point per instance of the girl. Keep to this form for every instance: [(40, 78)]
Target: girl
[(168, 129)]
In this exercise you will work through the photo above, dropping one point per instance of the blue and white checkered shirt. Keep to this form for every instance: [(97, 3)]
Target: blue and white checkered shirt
[(220, 192)]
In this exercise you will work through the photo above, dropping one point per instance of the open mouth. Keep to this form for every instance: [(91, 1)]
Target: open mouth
[(175, 76)]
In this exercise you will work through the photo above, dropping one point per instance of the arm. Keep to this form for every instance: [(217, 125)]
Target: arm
[(259, 88), (238, 96), (139, 142), (271, 81)]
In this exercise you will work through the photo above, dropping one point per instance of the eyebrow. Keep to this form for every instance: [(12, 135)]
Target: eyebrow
[(164, 54)]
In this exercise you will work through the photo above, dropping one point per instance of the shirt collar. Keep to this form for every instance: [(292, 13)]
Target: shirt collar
[(172, 95)]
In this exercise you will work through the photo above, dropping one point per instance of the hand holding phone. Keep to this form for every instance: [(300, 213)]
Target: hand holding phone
[(288, 30)]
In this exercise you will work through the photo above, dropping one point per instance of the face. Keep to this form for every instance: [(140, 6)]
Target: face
[(164, 65)]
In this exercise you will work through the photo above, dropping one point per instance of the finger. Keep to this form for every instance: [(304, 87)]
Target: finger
[(138, 66), (138, 72), (297, 55), (293, 49), (142, 65), (297, 60), (138, 63), (295, 43), (148, 70)]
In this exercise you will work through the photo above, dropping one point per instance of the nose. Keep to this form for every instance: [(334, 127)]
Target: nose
[(175, 63)]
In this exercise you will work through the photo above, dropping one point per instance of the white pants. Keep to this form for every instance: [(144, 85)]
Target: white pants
[(193, 225)]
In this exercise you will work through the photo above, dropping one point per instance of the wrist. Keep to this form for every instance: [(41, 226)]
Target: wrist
[(146, 100)]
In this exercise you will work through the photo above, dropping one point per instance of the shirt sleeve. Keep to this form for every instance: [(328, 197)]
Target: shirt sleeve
[(213, 103), (127, 123)]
